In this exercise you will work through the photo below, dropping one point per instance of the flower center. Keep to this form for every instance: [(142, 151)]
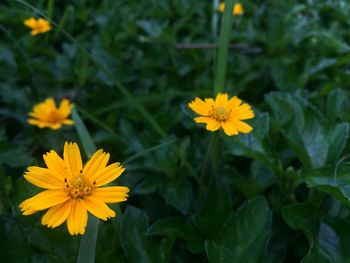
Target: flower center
[(53, 117), (78, 187), (220, 114)]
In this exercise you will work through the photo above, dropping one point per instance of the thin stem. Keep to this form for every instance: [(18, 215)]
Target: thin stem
[(88, 241), (204, 169), (226, 24)]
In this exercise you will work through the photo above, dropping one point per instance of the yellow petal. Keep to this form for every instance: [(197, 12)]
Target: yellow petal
[(44, 200), (112, 194), (98, 208), (242, 126), (200, 107), (77, 219), (55, 163), (38, 123), (44, 178), (238, 9), (68, 122), (57, 214), (72, 158), (65, 108), (221, 100), (51, 176), (108, 174), (213, 125), (54, 126), (30, 22), (229, 128), (234, 102), (243, 112), (203, 119), (50, 103), (97, 162), (221, 7)]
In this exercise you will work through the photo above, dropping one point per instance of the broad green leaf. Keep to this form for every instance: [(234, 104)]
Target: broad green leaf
[(255, 144), (245, 236), (177, 193), (137, 246), (216, 208), (331, 181), (329, 238), (177, 227), (337, 141)]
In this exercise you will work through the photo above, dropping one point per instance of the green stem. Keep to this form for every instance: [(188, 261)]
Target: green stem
[(224, 39), (210, 148), (88, 240)]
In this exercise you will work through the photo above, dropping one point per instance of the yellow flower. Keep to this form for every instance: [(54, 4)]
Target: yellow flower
[(74, 190), (237, 8), (223, 112), (38, 26), (46, 114)]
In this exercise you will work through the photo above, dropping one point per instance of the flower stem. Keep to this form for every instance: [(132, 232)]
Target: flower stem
[(204, 169), (224, 39), (88, 241)]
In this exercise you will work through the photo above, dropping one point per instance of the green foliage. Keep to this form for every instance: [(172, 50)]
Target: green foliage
[(278, 194)]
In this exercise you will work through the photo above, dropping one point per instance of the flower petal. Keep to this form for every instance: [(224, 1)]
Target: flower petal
[(44, 200), (55, 163), (72, 158), (221, 100), (98, 208), (112, 194), (51, 176), (200, 107), (234, 102), (229, 128), (77, 219), (243, 112), (203, 119), (213, 125), (242, 126), (108, 174), (57, 214), (97, 162), (65, 108), (44, 178)]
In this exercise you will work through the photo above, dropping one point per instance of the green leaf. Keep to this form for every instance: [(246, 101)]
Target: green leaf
[(337, 141), (245, 236), (301, 128), (337, 103), (179, 228), (254, 144), (329, 238), (177, 193), (333, 182), (219, 196), (139, 247)]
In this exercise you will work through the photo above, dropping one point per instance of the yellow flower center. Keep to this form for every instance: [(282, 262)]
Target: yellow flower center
[(54, 117), (220, 114), (78, 187)]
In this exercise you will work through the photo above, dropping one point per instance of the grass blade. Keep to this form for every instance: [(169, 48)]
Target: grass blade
[(88, 240), (224, 39)]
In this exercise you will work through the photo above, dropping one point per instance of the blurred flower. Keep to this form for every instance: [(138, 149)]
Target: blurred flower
[(38, 26), (46, 114), (237, 8), (73, 190), (223, 112)]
